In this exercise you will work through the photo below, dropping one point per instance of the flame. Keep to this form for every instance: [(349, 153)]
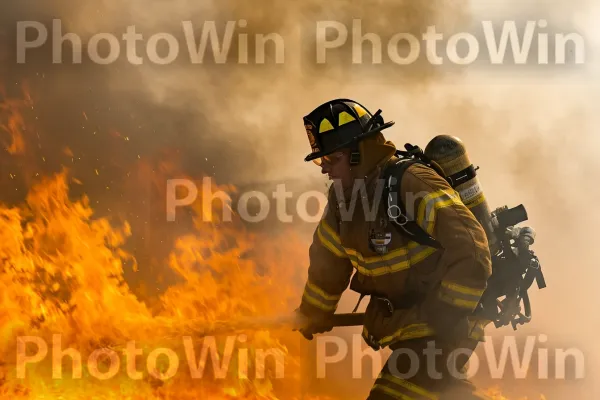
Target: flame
[(63, 288), (12, 123), (63, 273)]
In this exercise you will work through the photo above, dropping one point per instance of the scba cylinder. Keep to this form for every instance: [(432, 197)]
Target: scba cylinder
[(450, 154)]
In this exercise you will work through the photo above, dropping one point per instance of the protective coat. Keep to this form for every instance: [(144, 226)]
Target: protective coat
[(434, 291)]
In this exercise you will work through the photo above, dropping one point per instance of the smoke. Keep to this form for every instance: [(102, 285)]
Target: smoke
[(123, 129), (532, 130)]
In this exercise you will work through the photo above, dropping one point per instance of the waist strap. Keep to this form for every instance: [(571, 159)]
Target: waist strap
[(403, 302), (398, 302)]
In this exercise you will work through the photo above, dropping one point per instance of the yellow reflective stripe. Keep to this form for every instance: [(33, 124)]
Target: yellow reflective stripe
[(434, 201), (329, 245), (334, 236), (321, 292), (420, 330), (477, 329), (315, 302), (394, 261), (397, 260), (319, 298), (412, 331), (462, 289), (410, 386), (330, 240), (477, 201), (402, 251), (426, 207), (377, 266), (383, 270), (468, 304), (408, 332), (459, 295), (395, 394), (420, 252)]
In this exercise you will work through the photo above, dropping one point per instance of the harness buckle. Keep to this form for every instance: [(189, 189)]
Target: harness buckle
[(387, 303)]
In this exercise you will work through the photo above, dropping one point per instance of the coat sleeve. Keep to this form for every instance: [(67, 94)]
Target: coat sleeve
[(330, 269), (466, 260)]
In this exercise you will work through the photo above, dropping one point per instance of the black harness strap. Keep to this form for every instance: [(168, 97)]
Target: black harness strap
[(396, 210)]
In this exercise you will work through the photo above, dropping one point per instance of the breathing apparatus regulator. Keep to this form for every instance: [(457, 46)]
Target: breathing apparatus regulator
[(514, 266)]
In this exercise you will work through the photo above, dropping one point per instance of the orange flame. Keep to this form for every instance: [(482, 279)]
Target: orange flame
[(12, 123), (63, 287), (63, 273)]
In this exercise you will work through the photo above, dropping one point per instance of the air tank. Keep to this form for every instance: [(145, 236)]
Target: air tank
[(450, 154)]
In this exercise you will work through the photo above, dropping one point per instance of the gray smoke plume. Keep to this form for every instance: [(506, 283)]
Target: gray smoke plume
[(532, 129)]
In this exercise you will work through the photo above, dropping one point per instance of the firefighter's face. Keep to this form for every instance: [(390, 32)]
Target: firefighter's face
[(337, 167)]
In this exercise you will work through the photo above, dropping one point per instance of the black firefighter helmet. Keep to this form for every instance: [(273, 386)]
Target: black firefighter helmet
[(339, 124)]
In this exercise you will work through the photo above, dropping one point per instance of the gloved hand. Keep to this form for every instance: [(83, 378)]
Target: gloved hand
[(309, 326)]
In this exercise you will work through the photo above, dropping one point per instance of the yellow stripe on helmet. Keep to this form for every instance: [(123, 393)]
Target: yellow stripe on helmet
[(360, 111), (344, 118), (325, 126)]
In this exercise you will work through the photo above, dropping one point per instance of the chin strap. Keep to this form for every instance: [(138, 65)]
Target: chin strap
[(354, 151), (354, 155)]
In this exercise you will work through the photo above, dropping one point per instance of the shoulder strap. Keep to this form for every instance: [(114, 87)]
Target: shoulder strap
[(396, 210)]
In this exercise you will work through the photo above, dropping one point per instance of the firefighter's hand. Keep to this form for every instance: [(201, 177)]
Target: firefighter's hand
[(310, 326)]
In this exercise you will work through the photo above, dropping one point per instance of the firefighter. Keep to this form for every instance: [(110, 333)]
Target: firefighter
[(420, 295)]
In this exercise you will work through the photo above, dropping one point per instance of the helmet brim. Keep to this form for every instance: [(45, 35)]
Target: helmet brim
[(323, 153)]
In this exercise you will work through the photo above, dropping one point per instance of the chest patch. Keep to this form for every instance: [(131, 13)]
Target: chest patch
[(379, 241)]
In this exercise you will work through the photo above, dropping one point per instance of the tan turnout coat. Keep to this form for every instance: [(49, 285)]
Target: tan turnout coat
[(455, 275)]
